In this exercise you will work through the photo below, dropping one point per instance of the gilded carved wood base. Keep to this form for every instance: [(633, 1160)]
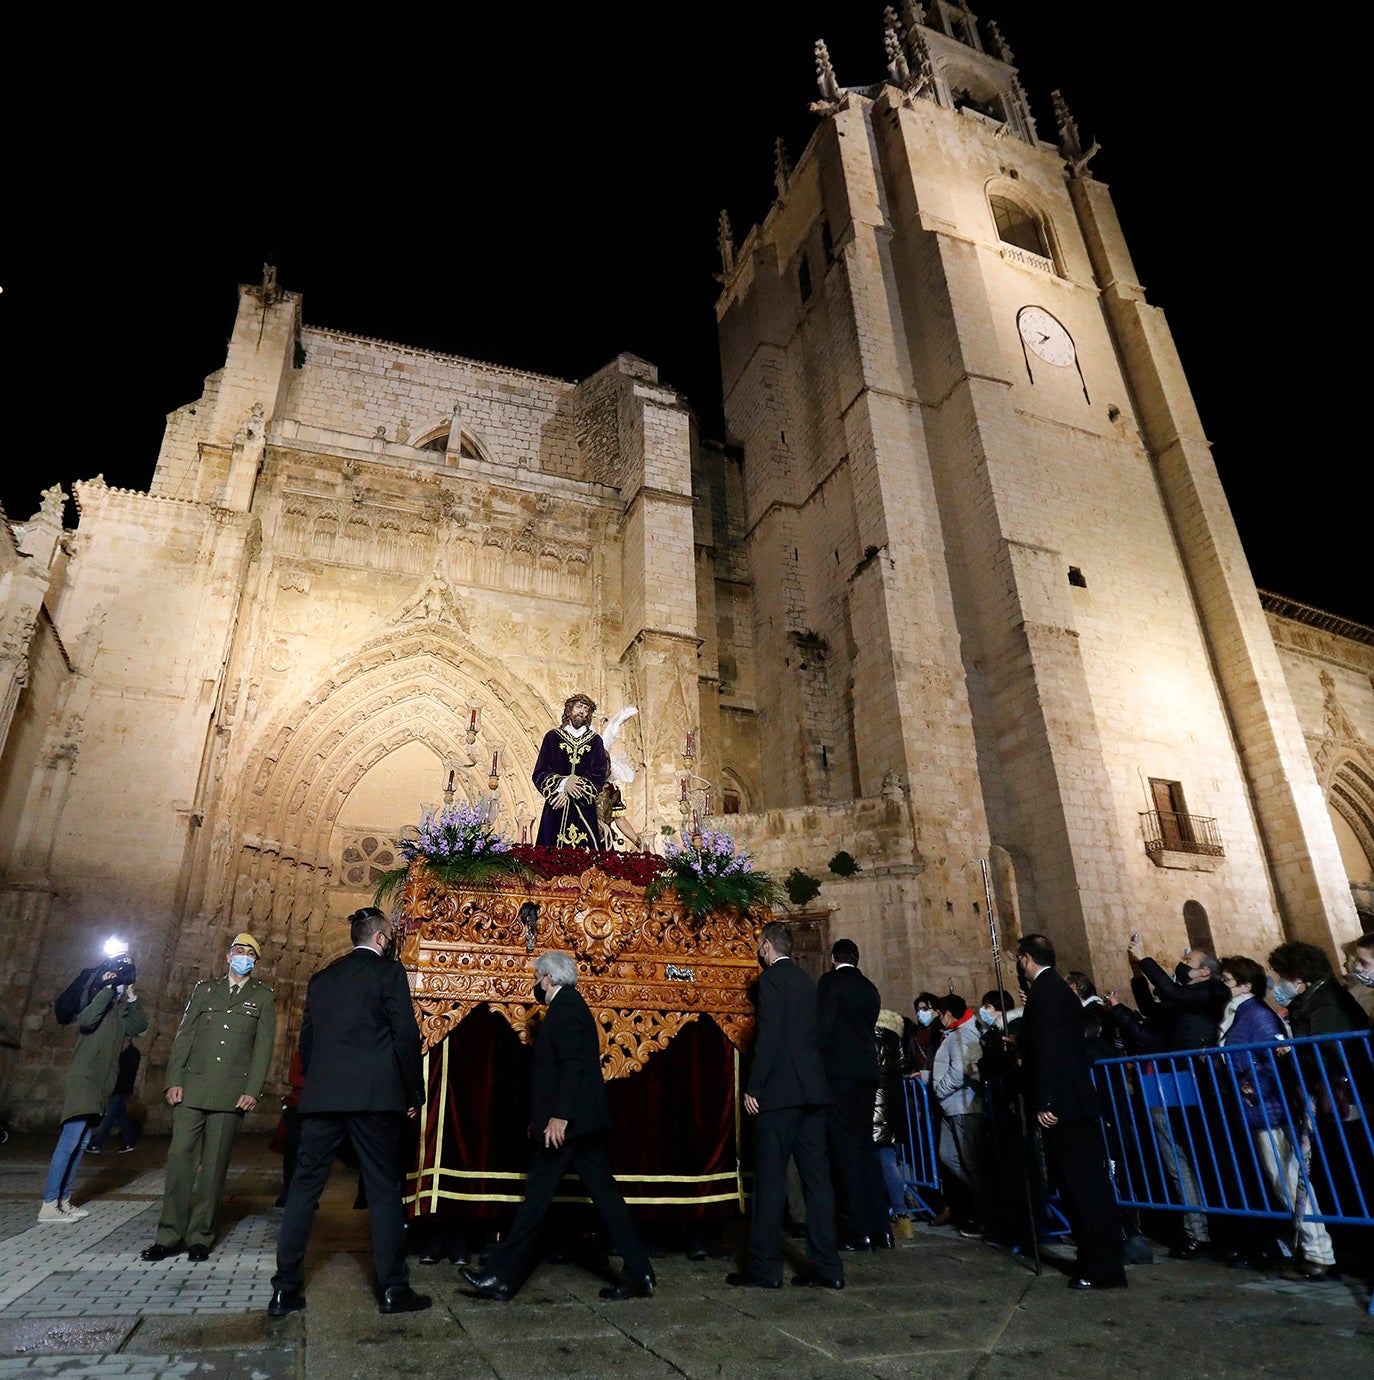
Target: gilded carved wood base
[(646, 968)]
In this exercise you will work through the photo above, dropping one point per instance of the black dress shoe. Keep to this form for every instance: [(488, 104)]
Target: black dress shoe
[(486, 1286), (197, 1254), (1094, 1284), (885, 1242), (632, 1287), (742, 1279), (285, 1301), (433, 1255), (813, 1279), (1191, 1250), (156, 1252), (858, 1243), (401, 1298)]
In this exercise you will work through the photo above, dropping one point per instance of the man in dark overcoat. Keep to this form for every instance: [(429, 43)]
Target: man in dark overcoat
[(570, 1120), (849, 1006), (1060, 1095), (787, 1095), (360, 1054)]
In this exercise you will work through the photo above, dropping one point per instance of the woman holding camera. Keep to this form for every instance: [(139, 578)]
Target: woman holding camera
[(109, 1013)]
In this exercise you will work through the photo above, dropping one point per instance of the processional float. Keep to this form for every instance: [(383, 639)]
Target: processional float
[(666, 970)]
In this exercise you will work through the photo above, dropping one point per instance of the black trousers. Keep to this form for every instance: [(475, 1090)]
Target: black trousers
[(376, 1138), (849, 1131), (514, 1257), (792, 1133), (1078, 1163)]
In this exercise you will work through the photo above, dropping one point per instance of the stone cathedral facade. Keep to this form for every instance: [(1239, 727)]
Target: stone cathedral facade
[(961, 585)]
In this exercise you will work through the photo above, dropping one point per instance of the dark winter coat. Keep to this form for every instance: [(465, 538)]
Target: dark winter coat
[(104, 1022)]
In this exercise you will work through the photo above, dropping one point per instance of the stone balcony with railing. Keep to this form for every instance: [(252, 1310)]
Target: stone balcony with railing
[(1176, 839)]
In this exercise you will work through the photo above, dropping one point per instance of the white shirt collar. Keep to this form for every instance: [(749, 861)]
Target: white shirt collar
[(575, 732)]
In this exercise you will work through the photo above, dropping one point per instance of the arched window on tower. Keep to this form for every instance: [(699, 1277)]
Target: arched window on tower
[(438, 443), (1016, 225), (987, 104)]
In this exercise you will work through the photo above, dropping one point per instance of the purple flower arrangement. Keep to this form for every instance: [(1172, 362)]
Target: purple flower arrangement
[(713, 874), (458, 845), (456, 832)]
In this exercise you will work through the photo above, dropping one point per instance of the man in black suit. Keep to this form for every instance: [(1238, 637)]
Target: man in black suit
[(787, 1095), (570, 1119), (849, 1006), (360, 1054), (1061, 1094)]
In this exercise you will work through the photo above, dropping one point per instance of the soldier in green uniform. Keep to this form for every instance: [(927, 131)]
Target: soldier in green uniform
[(214, 1078)]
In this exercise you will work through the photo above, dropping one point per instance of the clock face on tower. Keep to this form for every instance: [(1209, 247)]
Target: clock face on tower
[(1044, 336)]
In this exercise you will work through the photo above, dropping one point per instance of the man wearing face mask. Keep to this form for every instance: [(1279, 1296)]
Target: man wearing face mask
[(360, 1054), (1188, 1009), (215, 1075), (1361, 978), (570, 1121)]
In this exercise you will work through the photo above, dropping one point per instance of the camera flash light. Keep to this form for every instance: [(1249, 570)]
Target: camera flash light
[(115, 947)]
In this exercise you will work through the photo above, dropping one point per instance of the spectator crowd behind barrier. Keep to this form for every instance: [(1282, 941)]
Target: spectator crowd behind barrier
[(1276, 1130)]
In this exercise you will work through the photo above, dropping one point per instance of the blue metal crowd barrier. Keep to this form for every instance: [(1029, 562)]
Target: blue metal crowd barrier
[(1278, 1130), (919, 1159)]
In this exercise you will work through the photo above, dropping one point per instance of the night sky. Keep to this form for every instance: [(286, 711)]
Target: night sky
[(539, 188)]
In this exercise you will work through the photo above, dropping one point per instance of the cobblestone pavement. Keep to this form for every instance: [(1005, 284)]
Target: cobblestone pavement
[(75, 1300)]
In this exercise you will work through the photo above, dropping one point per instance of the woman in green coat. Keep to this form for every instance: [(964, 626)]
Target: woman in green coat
[(109, 1013)]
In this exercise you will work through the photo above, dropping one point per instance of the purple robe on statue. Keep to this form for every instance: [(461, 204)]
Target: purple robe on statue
[(573, 823)]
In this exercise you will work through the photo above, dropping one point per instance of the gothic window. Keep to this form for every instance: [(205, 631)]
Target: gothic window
[(365, 858), (467, 448), (804, 279), (438, 444), (989, 105), (1016, 226)]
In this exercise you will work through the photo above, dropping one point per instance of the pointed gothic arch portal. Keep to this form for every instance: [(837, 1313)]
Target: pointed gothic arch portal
[(413, 685)]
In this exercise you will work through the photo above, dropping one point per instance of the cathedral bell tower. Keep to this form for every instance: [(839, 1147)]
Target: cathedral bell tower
[(975, 476)]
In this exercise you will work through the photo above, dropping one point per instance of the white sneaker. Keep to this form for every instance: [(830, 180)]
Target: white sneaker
[(72, 1211), (50, 1212)]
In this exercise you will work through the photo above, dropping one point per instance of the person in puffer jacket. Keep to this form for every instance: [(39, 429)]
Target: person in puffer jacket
[(1247, 1020), (957, 1086)]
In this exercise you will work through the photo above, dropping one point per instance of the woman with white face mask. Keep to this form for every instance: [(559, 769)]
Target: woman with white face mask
[(924, 1037)]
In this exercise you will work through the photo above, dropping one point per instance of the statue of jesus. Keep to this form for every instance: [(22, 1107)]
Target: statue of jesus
[(571, 770)]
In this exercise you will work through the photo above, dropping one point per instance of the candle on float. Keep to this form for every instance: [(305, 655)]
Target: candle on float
[(472, 721), (524, 833), (683, 796), (495, 757), (450, 779), (695, 821), (688, 748)]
